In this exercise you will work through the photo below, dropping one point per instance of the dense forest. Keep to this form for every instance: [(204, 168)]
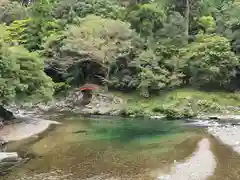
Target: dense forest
[(47, 46)]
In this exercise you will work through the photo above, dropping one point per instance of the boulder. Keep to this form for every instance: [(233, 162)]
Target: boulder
[(6, 115), (8, 156)]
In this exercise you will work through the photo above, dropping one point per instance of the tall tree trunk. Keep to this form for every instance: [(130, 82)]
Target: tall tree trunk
[(187, 14)]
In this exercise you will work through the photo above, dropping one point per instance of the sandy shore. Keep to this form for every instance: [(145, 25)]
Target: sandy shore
[(199, 166)]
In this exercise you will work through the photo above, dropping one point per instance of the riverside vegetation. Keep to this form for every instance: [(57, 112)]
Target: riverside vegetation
[(179, 58)]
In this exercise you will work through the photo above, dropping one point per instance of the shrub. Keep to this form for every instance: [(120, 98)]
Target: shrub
[(210, 62)]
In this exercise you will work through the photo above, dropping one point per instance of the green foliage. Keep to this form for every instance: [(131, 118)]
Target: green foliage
[(17, 32), (11, 11), (213, 7), (147, 19), (181, 103), (153, 76), (210, 62), (42, 9), (102, 39), (61, 87), (68, 10), (172, 32), (207, 23), (30, 34), (22, 75), (228, 24), (99, 40), (144, 45)]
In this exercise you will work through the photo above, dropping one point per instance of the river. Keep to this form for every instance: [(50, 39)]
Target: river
[(111, 149)]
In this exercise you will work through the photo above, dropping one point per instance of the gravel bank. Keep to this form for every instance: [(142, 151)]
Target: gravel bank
[(228, 134), (199, 166)]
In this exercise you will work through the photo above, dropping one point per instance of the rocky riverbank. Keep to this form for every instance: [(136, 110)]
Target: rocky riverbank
[(178, 104), (203, 163), (199, 166), (228, 134), (101, 104)]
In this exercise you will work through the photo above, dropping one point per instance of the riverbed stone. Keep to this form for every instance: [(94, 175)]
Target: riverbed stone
[(8, 156), (25, 129)]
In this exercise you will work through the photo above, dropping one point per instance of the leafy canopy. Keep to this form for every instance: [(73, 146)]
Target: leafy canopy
[(22, 74), (210, 62), (96, 39)]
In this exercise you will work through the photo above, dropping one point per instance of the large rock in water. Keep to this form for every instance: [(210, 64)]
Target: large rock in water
[(7, 161), (8, 156), (26, 128), (6, 115)]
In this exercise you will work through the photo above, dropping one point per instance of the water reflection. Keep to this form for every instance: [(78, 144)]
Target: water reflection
[(117, 148), (127, 130)]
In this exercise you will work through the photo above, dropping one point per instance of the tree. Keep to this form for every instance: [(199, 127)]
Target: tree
[(68, 10), (209, 62), (227, 21), (189, 9), (22, 74), (213, 7), (10, 11), (147, 19), (153, 75), (173, 31), (31, 33), (96, 39)]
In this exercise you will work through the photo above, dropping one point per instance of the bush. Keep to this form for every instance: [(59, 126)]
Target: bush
[(30, 33), (147, 19), (153, 74), (106, 43), (210, 62), (71, 9), (22, 74), (11, 11)]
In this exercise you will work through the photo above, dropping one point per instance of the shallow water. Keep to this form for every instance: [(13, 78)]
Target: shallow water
[(228, 162), (95, 149)]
